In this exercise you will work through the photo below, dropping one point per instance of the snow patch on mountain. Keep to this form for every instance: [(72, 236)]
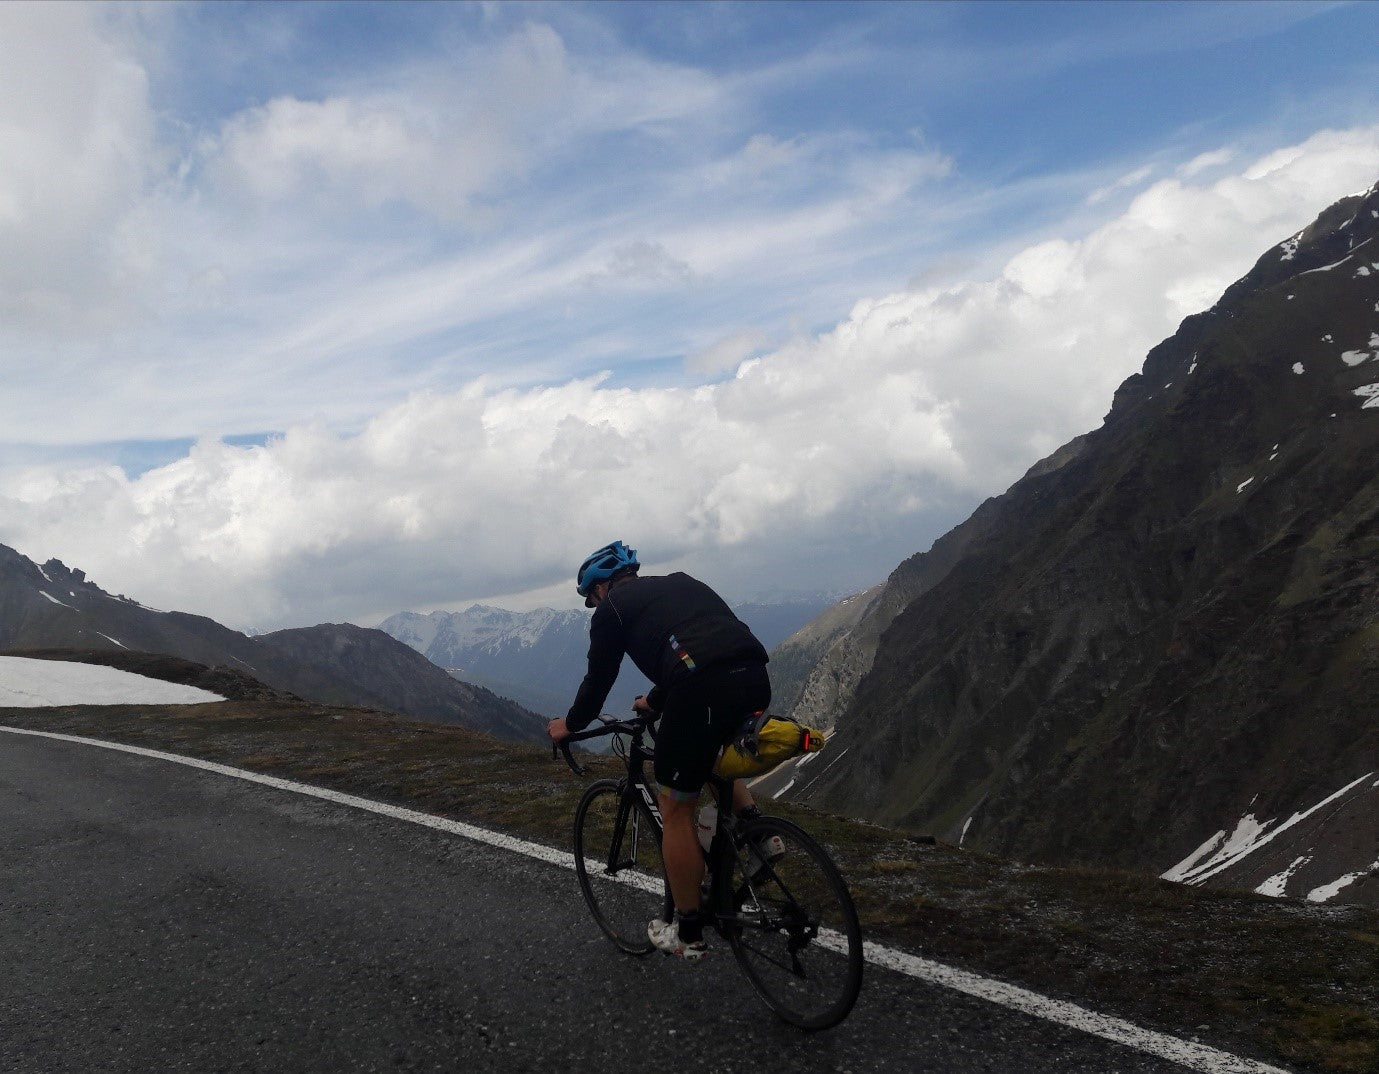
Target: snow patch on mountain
[(1327, 268), (1246, 850), (1327, 892), (1219, 850), (1278, 883), (29, 683)]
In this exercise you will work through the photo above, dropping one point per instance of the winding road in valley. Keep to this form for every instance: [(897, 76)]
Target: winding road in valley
[(159, 917)]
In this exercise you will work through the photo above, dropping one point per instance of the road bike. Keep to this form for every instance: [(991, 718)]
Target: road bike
[(789, 920)]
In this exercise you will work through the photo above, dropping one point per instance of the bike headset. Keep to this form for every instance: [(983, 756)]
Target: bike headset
[(602, 565)]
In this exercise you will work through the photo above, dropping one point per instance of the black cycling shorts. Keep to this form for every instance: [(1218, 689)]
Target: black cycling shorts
[(700, 717)]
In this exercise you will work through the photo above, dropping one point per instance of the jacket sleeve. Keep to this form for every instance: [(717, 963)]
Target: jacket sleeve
[(605, 657)]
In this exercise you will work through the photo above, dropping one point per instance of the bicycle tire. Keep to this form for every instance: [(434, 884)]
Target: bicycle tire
[(793, 927), (624, 882)]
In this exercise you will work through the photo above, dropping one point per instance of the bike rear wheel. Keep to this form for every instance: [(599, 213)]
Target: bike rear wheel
[(794, 928), (619, 865)]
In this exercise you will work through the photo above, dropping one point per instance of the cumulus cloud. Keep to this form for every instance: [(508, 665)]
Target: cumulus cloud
[(416, 276), (917, 399), (451, 137), (516, 206), (1206, 161), (727, 353)]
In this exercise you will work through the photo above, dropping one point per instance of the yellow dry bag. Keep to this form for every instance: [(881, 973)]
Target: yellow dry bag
[(764, 742)]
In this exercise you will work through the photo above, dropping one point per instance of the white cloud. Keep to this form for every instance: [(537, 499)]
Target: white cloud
[(440, 140), (76, 155), (324, 254), (415, 272), (1125, 182), (916, 399), (456, 138), (643, 263), (1205, 162), (727, 353)]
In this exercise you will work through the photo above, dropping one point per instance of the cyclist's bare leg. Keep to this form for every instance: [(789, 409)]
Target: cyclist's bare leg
[(742, 797), (680, 851)]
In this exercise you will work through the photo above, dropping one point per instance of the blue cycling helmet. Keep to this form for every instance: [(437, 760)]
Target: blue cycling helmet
[(602, 565)]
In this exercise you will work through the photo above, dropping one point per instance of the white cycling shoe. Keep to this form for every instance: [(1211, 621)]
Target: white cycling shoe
[(666, 936)]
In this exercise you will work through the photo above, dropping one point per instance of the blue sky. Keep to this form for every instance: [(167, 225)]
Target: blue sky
[(325, 310)]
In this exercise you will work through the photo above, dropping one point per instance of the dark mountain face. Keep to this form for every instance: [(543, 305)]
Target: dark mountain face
[(817, 669), (1172, 623), (52, 607), (349, 662)]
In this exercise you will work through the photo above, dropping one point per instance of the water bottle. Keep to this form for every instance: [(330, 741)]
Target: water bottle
[(707, 824)]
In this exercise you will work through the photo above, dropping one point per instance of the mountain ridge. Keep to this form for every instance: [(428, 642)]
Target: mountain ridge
[(1169, 622), (55, 607)]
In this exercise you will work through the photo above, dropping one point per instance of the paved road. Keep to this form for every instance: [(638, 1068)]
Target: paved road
[(159, 918)]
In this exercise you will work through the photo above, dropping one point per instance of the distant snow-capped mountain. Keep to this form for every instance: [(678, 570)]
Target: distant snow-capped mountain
[(450, 638), (537, 658)]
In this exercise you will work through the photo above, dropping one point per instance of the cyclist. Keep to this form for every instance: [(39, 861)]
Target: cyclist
[(708, 672)]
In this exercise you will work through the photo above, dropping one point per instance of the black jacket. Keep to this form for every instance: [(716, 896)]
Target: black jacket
[(671, 627)]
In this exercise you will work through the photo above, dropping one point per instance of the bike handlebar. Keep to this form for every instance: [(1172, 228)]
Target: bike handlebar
[(634, 726), (557, 748)]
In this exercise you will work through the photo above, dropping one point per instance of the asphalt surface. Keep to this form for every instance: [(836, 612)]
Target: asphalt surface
[(160, 918)]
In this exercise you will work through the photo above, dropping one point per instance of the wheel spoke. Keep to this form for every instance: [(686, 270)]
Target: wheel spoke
[(618, 861), (796, 933)]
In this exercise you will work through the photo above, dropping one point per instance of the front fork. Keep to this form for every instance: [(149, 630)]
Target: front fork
[(627, 832)]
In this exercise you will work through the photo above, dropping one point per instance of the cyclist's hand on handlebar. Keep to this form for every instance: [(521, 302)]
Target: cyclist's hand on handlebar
[(556, 730), (640, 705)]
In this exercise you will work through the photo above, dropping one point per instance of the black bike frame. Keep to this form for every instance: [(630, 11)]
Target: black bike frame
[(732, 911), (718, 859)]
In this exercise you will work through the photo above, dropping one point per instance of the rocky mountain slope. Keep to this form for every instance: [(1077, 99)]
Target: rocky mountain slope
[(1169, 626), (53, 607)]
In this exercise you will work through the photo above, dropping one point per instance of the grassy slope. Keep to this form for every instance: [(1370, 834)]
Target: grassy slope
[(1279, 980)]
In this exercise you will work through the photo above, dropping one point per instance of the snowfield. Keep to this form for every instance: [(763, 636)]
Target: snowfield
[(28, 683)]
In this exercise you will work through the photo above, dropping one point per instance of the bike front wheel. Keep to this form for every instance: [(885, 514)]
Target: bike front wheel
[(619, 865), (793, 926)]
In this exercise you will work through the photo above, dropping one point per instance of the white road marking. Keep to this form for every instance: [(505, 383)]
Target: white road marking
[(1187, 1053)]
